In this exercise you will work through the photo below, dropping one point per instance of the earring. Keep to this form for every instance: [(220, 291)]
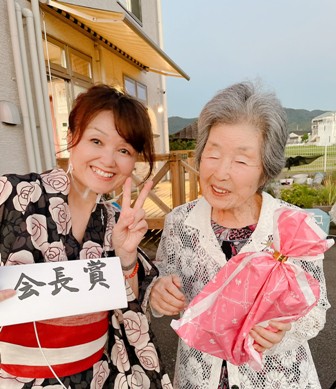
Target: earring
[(70, 168)]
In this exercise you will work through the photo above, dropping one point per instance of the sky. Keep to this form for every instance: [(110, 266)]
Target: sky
[(288, 45)]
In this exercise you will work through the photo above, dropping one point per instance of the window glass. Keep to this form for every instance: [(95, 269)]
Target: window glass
[(133, 7), (80, 65), (78, 89), (142, 92), (136, 8), (130, 87), (136, 89), (55, 54), (59, 104)]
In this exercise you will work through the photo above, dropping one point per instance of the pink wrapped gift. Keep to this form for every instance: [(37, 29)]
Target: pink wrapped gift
[(253, 288)]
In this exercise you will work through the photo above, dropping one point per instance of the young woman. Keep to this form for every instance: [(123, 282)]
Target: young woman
[(58, 216)]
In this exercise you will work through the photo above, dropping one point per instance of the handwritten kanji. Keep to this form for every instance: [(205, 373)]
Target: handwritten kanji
[(61, 282), (27, 288), (96, 274)]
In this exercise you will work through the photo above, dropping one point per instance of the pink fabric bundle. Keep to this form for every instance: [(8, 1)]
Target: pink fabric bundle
[(253, 288)]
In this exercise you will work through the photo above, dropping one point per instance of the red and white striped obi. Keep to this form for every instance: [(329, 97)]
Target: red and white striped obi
[(70, 345)]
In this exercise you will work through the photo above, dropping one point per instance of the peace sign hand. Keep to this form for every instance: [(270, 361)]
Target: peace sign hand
[(131, 226)]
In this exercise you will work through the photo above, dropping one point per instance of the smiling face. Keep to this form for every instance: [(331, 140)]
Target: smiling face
[(102, 159), (231, 173)]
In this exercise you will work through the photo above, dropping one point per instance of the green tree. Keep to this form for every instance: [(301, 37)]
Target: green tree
[(304, 137), (180, 144)]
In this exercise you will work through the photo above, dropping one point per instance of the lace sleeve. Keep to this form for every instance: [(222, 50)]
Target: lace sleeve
[(168, 247), (165, 255)]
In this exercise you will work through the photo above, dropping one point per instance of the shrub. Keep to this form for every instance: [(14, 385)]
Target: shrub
[(327, 192), (303, 196)]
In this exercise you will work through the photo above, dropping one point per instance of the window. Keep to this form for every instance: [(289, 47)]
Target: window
[(135, 89), (69, 73), (133, 7), (56, 54), (80, 65), (130, 86), (60, 106), (66, 61)]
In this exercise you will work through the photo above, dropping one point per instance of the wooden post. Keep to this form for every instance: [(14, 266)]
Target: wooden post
[(182, 174), (177, 179), (193, 180)]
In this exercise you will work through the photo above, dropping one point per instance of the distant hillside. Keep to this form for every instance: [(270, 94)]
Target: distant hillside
[(299, 120), (176, 123)]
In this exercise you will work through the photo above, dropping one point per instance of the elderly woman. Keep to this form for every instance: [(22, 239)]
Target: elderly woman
[(242, 137)]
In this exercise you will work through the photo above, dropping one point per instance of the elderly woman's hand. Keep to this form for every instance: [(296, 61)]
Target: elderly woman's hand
[(166, 296), (266, 338), (6, 294)]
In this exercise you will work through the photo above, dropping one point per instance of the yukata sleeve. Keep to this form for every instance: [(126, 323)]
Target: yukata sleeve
[(6, 190), (148, 273)]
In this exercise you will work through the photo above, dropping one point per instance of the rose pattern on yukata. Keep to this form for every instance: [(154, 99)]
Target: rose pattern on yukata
[(35, 226)]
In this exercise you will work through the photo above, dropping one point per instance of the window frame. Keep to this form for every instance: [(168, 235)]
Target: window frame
[(137, 84), (128, 7)]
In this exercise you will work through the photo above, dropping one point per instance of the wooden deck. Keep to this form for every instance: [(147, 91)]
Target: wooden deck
[(154, 214)]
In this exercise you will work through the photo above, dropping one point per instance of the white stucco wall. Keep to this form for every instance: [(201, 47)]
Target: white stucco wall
[(325, 129), (13, 154), (107, 67)]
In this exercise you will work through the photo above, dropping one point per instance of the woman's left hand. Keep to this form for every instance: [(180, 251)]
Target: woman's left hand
[(266, 338), (131, 226)]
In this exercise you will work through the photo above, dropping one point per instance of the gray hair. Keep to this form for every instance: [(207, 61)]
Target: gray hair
[(245, 103)]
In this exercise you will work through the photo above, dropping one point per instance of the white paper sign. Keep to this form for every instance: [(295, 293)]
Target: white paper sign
[(58, 289)]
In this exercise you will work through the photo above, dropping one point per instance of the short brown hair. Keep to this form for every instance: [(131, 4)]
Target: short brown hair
[(130, 116)]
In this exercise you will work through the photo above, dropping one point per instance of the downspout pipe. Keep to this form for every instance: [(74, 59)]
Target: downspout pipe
[(44, 84), (21, 86), (27, 86), (27, 13), (163, 99)]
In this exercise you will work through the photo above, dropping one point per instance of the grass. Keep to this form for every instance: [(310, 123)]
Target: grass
[(316, 166)]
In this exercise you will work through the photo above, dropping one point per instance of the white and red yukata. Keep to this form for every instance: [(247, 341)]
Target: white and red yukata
[(112, 349)]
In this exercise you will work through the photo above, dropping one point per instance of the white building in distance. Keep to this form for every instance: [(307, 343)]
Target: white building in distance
[(324, 129)]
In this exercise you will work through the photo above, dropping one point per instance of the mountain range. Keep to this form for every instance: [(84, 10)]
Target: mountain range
[(299, 121)]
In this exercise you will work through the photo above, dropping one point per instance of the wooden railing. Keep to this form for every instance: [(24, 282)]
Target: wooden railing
[(178, 169)]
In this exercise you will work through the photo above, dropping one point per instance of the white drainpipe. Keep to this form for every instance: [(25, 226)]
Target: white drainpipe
[(32, 164), (38, 88), (44, 84), (28, 93), (162, 94)]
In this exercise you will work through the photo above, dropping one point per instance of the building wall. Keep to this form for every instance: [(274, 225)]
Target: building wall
[(325, 129), (107, 67), (13, 155)]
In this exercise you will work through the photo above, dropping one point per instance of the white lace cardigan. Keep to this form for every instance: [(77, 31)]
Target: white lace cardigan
[(190, 248)]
